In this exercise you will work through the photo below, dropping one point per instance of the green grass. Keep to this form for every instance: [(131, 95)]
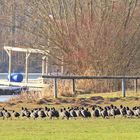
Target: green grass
[(92, 129), (129, 94)]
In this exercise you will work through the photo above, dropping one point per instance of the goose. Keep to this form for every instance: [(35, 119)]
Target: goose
[(41, 113), (95, 112), (15, 114), (104, 113), (7, 114), (34, 114), (129, 112), (72, 113), (123, 111)]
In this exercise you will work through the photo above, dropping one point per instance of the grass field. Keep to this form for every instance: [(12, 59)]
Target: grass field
[(88, 129), (92, 129)]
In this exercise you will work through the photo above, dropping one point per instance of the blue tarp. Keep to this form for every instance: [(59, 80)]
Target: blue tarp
[(15, 77)]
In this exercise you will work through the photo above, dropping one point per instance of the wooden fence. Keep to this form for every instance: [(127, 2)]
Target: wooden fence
[(73, 78)]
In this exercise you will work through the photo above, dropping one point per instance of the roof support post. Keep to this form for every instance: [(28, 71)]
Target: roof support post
[(9, 52), (26, 67), (43, 64), (10, 65)]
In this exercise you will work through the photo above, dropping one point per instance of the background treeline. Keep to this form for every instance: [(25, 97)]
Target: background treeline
[(88, 37)]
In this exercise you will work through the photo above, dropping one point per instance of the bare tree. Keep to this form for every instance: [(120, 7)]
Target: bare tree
[(97, 35)]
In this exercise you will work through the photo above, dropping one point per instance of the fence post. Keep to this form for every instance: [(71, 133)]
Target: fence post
[(124, 87), (136, 85), (73, 86), (55, 87)]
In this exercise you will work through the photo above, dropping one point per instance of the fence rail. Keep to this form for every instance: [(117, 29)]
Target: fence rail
[(90, 77), (73, 78)]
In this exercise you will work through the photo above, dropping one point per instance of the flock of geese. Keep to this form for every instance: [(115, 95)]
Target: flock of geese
[(72, 112)]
